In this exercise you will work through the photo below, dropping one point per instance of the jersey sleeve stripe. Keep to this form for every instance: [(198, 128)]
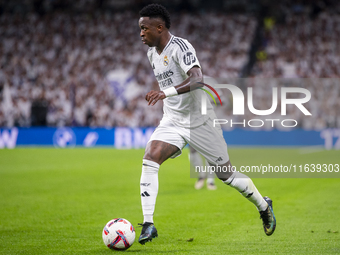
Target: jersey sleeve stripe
[(175, 41), (183, 43)]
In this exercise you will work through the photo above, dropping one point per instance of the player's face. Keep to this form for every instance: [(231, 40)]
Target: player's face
[(149, 31)]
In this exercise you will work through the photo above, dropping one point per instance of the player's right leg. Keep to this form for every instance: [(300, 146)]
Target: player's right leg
[(156, 153), (164, 143)]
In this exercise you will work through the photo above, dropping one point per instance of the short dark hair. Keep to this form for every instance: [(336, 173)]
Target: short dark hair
[(156, 11)]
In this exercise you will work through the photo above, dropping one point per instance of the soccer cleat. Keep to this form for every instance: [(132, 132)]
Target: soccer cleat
[(268, 217), (149, 231), (199, 184)]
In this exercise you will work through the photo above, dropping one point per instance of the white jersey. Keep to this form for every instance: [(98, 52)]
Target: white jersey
[(170, 68)]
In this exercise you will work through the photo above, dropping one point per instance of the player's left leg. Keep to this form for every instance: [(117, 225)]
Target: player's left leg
[(242, 184), (208, 140), (246, 187)]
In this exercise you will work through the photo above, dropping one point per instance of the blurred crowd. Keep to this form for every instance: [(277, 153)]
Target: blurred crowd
[(303, 45), (92, 69)]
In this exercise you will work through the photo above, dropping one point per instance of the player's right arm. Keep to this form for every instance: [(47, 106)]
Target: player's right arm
[(194, 81)]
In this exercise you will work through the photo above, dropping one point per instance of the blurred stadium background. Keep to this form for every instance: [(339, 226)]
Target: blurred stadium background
[(81, 63)]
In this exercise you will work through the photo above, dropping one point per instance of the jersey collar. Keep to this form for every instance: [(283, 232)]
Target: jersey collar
[(168, 44)]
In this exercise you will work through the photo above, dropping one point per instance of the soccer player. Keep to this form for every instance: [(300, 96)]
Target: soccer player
[(197, 160), (179, 75)]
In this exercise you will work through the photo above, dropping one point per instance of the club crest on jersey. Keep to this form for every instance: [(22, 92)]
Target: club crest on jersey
[(166, 61)]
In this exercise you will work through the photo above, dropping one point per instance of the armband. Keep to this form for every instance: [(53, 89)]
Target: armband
[(169, 92)]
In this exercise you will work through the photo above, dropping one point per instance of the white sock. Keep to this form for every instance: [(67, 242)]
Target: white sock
[(149, 188), (246, 187), (211, 180)]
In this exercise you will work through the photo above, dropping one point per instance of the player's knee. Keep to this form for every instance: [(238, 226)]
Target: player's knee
[(224, 171), (223, 176), (153, 156)]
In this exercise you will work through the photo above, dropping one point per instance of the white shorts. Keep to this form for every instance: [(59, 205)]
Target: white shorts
[(205, 139)]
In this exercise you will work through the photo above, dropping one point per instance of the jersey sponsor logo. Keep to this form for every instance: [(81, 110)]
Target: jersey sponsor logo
[(164, 75), (166, 83), (166, 61), (164, 79), (189, 58)]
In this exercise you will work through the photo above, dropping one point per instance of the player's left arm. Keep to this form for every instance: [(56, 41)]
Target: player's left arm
[(194, 81)]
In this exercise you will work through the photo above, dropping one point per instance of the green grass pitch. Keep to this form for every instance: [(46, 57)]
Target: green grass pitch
[(57, 201)]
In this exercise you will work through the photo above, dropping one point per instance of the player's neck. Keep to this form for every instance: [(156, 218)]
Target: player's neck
[(163, 42)]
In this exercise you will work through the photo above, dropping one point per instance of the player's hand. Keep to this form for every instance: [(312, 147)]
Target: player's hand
[(153, 96)]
